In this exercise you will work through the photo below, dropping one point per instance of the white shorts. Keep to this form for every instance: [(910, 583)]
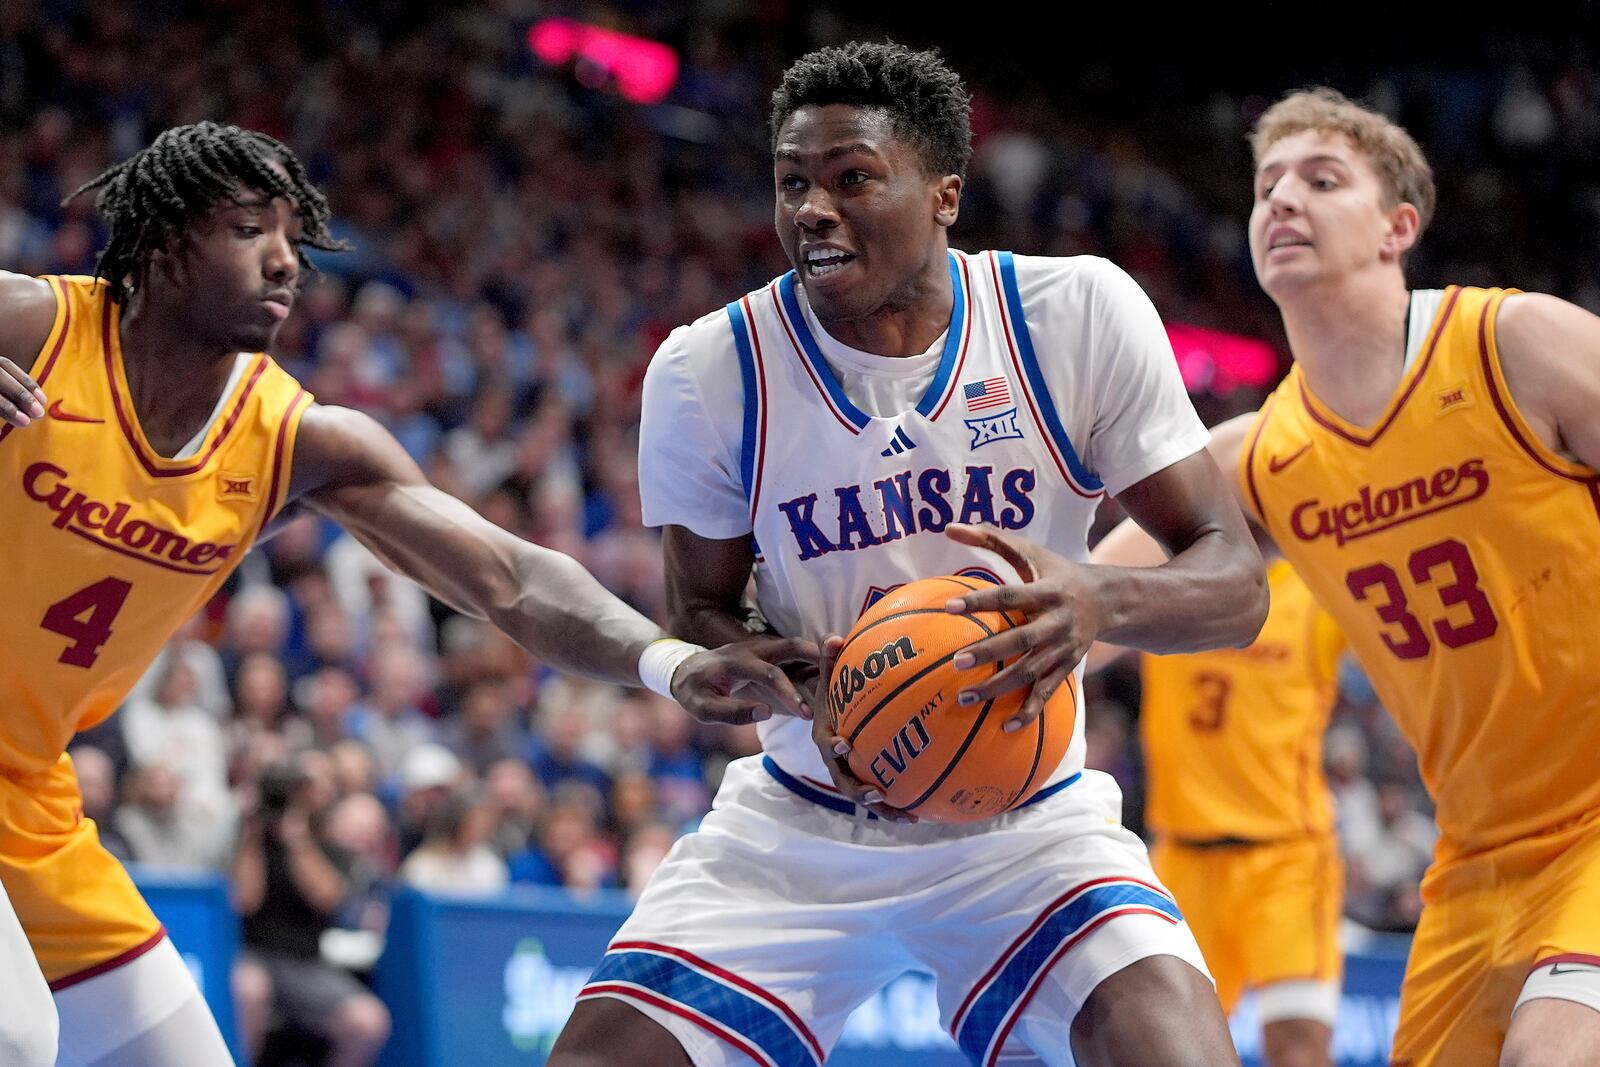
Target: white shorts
[(763, 930)]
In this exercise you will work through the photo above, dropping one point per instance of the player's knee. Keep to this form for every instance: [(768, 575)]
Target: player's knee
[(360, 1022)]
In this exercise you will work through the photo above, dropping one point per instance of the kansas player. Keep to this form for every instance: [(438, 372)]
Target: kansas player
[(1431, 467), (146, 443), (894, 409)]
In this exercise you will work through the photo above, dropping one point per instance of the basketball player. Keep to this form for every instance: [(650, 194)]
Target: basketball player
[(1431, 467), (147, 443), (829, 432), (1244, 822)]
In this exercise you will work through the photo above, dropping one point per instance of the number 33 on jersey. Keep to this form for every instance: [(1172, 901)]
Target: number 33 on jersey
[(1461, 557), (108, 545)]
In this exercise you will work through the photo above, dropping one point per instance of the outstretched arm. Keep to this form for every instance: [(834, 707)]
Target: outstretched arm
[(350, 469)]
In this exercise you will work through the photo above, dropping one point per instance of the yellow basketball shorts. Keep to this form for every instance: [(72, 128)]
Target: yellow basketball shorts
[(1262, 912), (1488, 920), (77, 905)]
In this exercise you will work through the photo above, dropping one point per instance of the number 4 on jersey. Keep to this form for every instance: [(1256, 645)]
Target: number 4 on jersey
[(85, 618)]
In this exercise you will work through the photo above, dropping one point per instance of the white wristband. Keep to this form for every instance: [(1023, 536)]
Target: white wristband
[(660, 660)]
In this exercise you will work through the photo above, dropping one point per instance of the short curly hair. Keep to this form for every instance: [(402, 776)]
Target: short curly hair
[(924, 98)]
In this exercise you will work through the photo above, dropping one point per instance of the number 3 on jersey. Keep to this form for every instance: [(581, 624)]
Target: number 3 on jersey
[(85, 618), (1365, 583)]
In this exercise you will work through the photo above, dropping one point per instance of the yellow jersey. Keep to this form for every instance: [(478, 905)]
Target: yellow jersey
[(109, 546), (1461, 558), (1233, 737)]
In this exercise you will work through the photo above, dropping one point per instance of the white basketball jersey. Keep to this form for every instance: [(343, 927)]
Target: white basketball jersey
[(1054, 384)]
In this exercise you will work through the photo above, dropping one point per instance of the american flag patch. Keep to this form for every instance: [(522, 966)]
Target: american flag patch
[(989, 393)]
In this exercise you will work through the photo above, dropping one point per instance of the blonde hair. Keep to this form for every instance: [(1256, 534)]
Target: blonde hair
[(1401, 166)]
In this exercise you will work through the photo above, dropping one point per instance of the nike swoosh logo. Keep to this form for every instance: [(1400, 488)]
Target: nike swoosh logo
[(1277, 463), (57, 413), (1573, 968)]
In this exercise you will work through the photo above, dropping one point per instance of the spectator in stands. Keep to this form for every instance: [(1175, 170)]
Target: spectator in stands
[(486, 730), (97, 783), (455, 857), (171, 729), (162, 830), (389, 720), (518, 802), (428, 778), (287, 884)]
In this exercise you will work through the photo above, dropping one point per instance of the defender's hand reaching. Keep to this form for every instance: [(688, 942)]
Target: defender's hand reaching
[(743, 682)]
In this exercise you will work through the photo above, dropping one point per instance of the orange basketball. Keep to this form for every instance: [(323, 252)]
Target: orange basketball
[(893, 696)]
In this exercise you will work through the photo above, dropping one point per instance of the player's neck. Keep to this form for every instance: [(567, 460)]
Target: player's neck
[(174, 379), (907, 324), (1349, 339)]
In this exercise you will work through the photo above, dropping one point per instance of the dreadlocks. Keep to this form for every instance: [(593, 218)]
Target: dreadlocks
[(156, 195)]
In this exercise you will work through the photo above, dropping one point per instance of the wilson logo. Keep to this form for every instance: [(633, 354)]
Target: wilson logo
[(849, 684), (1375, 510), (108, 525)]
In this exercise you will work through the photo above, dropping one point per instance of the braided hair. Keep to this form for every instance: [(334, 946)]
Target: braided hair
[(156, 195)]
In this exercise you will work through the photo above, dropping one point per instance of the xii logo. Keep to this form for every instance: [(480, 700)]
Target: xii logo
[(231, 486)]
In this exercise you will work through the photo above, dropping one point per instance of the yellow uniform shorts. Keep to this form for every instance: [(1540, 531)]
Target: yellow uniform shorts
[(1262, 912), (76, 903), (1488, 919)]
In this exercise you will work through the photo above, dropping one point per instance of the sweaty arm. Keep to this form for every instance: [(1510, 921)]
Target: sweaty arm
[(27, 311), (351, 470), (1550, 354)]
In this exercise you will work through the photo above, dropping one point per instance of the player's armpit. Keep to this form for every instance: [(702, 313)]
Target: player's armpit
[(1550, 355)]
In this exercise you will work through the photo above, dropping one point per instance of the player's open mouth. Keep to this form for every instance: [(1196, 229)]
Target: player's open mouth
[(821, 262)]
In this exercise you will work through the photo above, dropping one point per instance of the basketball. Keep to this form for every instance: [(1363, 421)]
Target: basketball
[(893, 695)]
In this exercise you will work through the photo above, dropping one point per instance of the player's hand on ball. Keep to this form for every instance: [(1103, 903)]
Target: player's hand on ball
[(1063, 612), (743, 682), (835, 749), (21, 399)]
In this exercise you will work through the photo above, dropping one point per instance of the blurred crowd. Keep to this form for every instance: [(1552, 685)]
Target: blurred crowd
[(522, 240)]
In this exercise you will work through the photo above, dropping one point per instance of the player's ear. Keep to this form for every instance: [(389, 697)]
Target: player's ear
[(947, 199), (1404, 229)]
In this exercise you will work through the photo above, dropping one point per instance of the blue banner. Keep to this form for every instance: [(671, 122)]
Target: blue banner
[(492, 983)]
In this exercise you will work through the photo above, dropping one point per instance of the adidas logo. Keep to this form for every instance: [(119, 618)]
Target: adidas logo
[(898, 443)]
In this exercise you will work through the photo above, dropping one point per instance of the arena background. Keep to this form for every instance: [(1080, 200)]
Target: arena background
[(525, 231)]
